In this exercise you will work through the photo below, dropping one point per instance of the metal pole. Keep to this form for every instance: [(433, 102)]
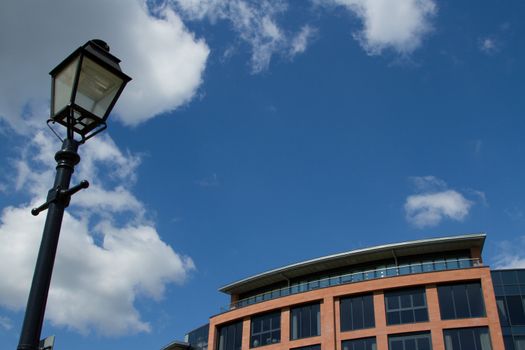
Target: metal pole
[(57, 201)]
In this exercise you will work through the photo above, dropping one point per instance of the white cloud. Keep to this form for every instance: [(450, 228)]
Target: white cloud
[(398, 25), (255, 22), (509, 254), (434, 202), (6, 323), (489, 45), (300, 41), (164, 59), (428, 183), (429, 209), (102, 266)]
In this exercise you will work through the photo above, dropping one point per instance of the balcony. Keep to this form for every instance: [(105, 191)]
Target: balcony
[(354, 277)]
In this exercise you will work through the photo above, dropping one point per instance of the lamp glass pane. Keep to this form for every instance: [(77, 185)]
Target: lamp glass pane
[(97, 88), (63, 86)]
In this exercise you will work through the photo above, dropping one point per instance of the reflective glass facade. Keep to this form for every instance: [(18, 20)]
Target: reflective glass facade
[(198, 338), (509, 287)]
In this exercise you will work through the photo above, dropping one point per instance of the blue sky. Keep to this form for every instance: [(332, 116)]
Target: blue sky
[(255, 134)]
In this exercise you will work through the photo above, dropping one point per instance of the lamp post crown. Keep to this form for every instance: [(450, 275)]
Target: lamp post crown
[(101, 43), (85, 87)]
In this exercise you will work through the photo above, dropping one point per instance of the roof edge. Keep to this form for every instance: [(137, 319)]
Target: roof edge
[(480, 235)]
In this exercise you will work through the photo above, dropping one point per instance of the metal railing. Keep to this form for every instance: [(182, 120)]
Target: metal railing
[(432, 266)]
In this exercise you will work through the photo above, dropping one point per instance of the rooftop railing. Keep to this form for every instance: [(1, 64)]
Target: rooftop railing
[(413, 268)]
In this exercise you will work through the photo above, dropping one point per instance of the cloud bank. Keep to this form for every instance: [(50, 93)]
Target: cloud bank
[(162, 56), (256, 23), (434, 202), (109, 253)]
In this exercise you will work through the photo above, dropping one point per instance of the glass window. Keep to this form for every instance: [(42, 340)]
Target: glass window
[(198, 338), (519, 342), (305, 321), (266, 329), (502, 311), (230, 336), (309, 347), (410, 341), (461, 301), (516, 312), (360, 344), (509, 277), (467, 339), (406, 306), (357, 312)]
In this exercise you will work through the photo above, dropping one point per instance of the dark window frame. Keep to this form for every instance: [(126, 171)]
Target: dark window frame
[(359, 343), (455, 301), (457, 337), (403, 311), (416, 336), (353, 303), (230, 344), (259, 330), (308, 347), (311, 312)]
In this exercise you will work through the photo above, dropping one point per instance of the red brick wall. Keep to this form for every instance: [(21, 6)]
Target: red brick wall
[(331, 336)]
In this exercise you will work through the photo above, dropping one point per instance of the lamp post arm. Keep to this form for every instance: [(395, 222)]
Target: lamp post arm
[(66, 159)]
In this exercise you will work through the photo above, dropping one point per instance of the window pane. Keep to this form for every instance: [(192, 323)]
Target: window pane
[(461, 301), (345, 310), (509, 277), (407, 316), (392, 302), (360, 344), (357, 312), (466, 339), (368, 309), (266, 329), (396, 345), (515, 307), (393, 317), (305, 321), (502, 311), (519, 342), (410, 341), (423, 344), (410, 344), (230, 337), (309, 347), (477, 308), (418, 299), (406, 300), (406, 306), (420, 315), (476, 338)]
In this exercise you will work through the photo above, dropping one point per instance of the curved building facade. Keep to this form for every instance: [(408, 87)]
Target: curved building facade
[(419, 295)]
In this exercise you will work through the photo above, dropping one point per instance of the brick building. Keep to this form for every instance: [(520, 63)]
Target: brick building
[(418, 295)]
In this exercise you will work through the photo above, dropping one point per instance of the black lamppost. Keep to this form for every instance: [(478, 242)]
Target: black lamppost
[(85, 87)]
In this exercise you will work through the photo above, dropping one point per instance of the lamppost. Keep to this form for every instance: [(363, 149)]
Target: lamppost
[(84, 89)]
